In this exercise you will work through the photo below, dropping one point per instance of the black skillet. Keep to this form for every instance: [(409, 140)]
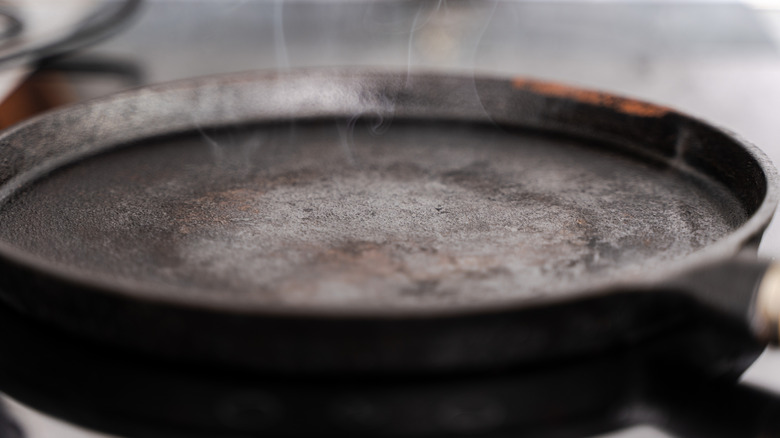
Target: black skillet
[(341, 221)]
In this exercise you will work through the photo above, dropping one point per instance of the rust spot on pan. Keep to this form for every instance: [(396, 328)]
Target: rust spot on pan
[(627, 106)]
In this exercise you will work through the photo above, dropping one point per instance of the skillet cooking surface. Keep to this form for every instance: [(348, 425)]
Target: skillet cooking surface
[(373, 213)]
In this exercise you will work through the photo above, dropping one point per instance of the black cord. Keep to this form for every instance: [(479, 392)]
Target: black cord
[(127, 70)]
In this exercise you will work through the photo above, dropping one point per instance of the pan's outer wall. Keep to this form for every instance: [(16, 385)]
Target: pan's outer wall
[(124, 313)]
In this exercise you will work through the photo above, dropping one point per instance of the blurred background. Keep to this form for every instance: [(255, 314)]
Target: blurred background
[(716, 60)]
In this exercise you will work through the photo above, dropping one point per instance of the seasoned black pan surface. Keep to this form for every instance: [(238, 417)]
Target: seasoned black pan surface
[(416, 215)]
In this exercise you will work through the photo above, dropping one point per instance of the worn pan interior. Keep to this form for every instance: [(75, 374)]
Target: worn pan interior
[(353, 194)]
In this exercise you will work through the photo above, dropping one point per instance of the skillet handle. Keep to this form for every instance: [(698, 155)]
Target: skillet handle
[(743, 290), (765, 312)]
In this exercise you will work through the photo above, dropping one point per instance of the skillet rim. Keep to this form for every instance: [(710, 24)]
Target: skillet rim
[(159, 295)]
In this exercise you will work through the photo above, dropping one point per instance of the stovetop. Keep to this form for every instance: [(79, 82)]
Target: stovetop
[(715, 60)]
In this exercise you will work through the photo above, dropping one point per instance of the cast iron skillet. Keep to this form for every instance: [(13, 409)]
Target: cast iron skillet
[(343, 221)]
